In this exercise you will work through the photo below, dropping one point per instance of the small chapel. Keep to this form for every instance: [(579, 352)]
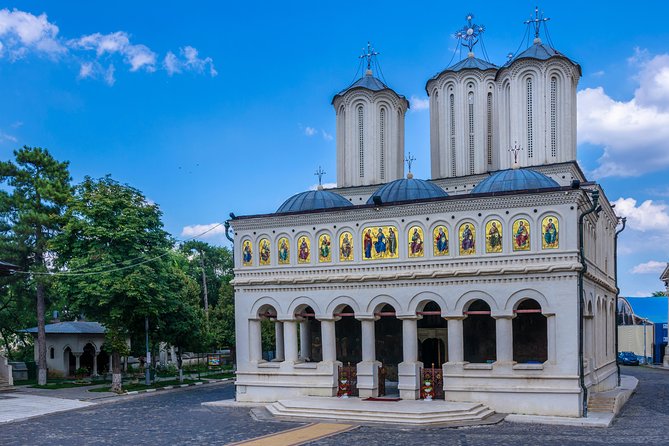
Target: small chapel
[(491, 282)]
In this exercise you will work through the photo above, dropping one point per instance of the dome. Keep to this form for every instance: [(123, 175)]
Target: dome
[(407, 189), (539, 51), (469, 63), (367, 82), (312, 200), (514, 179)]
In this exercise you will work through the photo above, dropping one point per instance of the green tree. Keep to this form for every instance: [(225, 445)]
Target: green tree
[(32, 214), (116, 251), (211, 266), (659, 293)]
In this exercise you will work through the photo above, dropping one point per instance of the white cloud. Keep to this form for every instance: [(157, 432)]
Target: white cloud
[(325, 186), (418, 104), (189, 61), (650, 267), (86, 70), (634, 133), (648, 216), (21, 32), (109, 76), (7, 137), (327, 136), (171, 63), (599, 73), (138, 56), (207, 231), (310, 131)]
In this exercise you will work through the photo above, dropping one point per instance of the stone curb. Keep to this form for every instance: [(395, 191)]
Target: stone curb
[(178, 386)]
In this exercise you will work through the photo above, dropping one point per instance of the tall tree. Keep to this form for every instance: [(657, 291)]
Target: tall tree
[(116, 249), (211, 266), (32, 211)]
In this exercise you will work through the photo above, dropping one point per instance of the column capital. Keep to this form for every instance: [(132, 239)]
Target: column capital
[(367, 317), (454, 317), (503, 315), (286, 318), (408, 317)]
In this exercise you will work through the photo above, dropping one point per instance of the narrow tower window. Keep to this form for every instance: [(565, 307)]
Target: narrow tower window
[(382, 141), (554, 82), (489, 129), (530, 137), (470, 101), (451, 107), (361, 141)]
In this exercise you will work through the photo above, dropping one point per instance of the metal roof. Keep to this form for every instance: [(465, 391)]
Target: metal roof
[(407, 189), (313, 200), (368, 82), (652, 308), (539, 51), (514, 179), (71, 327)]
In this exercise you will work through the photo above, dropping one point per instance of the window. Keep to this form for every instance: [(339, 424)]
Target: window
[(489, 128), (530, 130), (382, 142), (479, 334), (530, 339), (553, 112), (452, 128), (361, 140), (470, 104), (52, 353)]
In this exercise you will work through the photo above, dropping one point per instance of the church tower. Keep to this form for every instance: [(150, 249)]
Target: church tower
[(370, 130), (462, 112)]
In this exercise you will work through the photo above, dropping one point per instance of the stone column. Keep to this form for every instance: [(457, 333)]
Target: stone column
[(278, 336), (255, 341), (455, 340), (95, 363), (290, 341), (329, 340), (305, 341), (504, 335), (77, 359), (409, 369), (368, 369)]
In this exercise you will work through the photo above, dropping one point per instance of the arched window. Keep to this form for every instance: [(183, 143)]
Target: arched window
[(348, 332), (553, 115), (451, 108), (361, 140), (382, 143), (470, 108), (479, 334), (530, 129), (52, 353), (432, 336), (309, 335), (488, 141), (530, 338), (271, 331)]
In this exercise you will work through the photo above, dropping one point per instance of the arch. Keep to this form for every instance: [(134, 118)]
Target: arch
[(300, 302), (338, 302), (479, 332), (530, 333), (263, 302), (418, 302), (518, 297), (467, 298), (383, 299)]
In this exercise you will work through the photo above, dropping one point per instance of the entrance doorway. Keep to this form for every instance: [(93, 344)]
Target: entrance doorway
[(388, 335), (348, 332), (432, 336)]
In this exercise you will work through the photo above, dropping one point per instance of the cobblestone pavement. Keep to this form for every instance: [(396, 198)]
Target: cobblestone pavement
[(176, 417)]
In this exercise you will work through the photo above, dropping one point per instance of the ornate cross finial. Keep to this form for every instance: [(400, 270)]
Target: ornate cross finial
[(368, 54), (469, 35), (515, 149), (536, 21), (319, 173), (409, 160)]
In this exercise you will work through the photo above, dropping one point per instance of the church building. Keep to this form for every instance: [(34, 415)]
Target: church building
[(492, 282)]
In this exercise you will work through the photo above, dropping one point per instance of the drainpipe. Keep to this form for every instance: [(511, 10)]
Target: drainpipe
[(581, 293), (615, 272), (232, 240)]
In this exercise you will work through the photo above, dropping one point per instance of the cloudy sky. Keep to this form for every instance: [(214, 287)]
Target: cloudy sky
[(216, 108)]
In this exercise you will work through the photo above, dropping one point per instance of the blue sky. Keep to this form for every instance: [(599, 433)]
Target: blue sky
[(217, 107)]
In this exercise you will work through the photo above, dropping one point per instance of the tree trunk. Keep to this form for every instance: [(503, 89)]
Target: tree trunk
[(116, 372), (179, 364), (41, 335)]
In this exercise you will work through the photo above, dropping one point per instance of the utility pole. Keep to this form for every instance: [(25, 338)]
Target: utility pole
[(204, 285), (147, 374)]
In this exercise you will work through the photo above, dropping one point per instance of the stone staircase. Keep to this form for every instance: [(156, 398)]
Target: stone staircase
[(4, 385), (602, 403), (407, 412)]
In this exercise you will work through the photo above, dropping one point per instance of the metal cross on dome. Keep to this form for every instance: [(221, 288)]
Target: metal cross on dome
[(368, 54), (319, 173), (409, 160), (470, 33), (536, 21), (515, 149)]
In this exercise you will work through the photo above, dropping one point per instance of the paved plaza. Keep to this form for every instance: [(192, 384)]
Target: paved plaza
[(177, 417)]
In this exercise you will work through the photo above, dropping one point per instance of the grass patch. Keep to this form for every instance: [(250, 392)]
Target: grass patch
[(222, 375), (158, 385), (64, 385)]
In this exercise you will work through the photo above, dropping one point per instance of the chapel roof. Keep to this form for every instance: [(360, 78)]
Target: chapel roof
[(313, 200), (513, 180), (406, 189), (70, 327)]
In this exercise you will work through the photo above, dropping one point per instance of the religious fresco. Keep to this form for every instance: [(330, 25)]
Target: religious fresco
[(550, 232), (521, 235), (264, 252), (379, 242), (303, 250), (324, 248), (467, 239), (440, 241), (283, 251), (493, 236), (345, 247), (416, 242), (247, 253)]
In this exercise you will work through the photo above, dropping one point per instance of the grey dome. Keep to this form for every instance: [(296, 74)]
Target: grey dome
[(367, 82), (407, 189), (312, 200), (514, 179)]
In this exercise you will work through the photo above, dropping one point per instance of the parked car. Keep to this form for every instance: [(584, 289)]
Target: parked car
[(627, 358)]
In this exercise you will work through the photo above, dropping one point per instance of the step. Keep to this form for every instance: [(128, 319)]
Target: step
[(389, 416)]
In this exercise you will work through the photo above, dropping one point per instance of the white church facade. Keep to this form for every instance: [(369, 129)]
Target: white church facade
[(498, 277)]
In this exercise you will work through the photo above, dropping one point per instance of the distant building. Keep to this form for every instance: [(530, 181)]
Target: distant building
[(665, 278), (639, 316)]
